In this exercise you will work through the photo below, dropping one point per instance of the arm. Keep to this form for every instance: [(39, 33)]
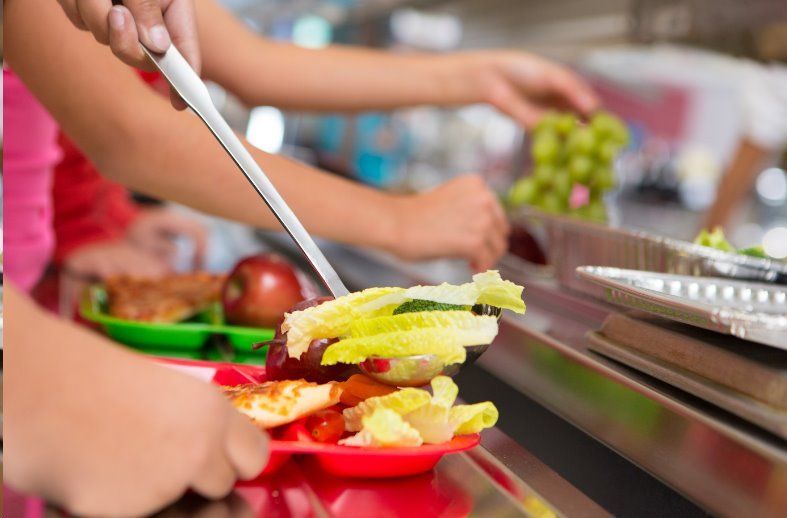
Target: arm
[(133, 137), (736, 183), (345, 78), (90, 426)]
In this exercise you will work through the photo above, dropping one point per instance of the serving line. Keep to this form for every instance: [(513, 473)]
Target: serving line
[(716, 460)]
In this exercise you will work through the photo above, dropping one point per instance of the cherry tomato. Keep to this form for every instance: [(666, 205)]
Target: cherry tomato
[(295, 431), (325, 425)]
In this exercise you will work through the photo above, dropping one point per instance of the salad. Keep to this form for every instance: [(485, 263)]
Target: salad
[(317, 392), (716, 239), (361, 412)]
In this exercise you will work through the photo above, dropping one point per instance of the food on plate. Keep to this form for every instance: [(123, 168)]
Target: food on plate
[(411, 417), (395, 322), (716, 239), (166, 300), (408, 417), (280, 365), (360, 387), (260, 289), (275, 403), (572, 165), (325, 426)]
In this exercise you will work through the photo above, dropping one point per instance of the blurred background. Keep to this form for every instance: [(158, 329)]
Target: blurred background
[(682, 74), (688, 77)]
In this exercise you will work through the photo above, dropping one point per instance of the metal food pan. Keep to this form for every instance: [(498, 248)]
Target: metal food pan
[(752, 311), (570, 243)]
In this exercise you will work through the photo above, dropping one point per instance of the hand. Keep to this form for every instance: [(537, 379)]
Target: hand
[(105, 259), (155, 229), (110, 432), (154, 23), (461, 218), (524, 86)]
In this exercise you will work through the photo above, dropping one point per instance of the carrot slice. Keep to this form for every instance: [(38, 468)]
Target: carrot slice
[(359, 387)]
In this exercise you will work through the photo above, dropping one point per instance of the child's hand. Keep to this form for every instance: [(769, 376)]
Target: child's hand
[(155, 23), (97, 261), (101, 431), (522, 85), (461, 218), (154, 229)]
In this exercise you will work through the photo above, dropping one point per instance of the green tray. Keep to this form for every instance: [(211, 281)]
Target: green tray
[(189, 336)]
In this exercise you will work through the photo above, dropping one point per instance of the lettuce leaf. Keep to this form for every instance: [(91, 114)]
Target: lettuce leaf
[(330, 319), (384, 428)]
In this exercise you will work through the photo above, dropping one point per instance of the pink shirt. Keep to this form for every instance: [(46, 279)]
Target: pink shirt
[(30, 153)]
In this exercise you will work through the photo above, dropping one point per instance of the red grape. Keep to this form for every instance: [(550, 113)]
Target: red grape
[(279, 365)]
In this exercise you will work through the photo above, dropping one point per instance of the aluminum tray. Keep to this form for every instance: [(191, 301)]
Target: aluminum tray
[(570, 243), (753, 311)]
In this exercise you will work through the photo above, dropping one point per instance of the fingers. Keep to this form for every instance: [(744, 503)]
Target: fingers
[(216, 478), (243, 456), (124, 39), (149, 19), (247, 448), (573, 89), (484, 238), (182, 25), (94, 15), (72, 12), (183, 30), (510, 102)]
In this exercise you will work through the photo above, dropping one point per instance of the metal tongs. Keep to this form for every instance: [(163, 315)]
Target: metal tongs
[(413, 370), (194, 93)]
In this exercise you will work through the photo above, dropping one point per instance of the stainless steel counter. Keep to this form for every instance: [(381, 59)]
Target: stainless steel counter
[(721, 463)]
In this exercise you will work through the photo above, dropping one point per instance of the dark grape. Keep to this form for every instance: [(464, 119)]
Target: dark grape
[(279, 365)]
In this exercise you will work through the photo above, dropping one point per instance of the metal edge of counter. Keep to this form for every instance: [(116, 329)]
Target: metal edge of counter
[(704, 486)]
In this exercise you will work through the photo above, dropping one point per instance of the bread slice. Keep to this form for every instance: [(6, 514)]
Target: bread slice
[(276, 403)]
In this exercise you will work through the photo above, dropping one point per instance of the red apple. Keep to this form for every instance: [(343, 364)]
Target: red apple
[(260, 289)]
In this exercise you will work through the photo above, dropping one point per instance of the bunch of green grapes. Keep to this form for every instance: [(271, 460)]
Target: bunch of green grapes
[(567, 153)]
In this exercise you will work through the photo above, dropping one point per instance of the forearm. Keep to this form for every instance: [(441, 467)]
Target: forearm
[(262, 72), (135, 138), (736, 183)]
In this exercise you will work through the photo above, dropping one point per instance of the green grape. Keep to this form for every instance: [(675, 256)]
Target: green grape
[(608, 126), (603, 123), (546, 147), (604, 178), (565, 124), (608, 151), (620, 134), (580, 167), (596, 211), (547, 123), (581, 142), (561, 184), (523, 192), (550, 203), (543, 175)]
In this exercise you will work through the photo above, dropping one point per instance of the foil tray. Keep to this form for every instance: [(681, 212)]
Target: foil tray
[(752, 311), (570, 242)]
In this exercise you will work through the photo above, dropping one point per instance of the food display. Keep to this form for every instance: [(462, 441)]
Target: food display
[(315, 401), (716, 239), (408, 417), (170, 299), (198, 315), (572, 165), (260, 289), (324, 339)]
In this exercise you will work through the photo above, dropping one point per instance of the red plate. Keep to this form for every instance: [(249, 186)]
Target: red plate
[(350, 461), (342, 461)]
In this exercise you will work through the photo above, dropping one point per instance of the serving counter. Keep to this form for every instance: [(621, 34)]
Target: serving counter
[(664, 450)]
